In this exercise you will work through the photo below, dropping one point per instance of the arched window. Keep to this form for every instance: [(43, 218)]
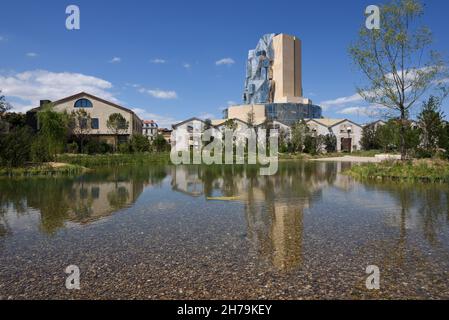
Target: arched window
[(83, 103)]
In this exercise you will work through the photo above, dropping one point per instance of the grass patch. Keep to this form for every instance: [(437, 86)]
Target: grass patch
[(305, 156), (42, 170), (106, 160), (413, 171)]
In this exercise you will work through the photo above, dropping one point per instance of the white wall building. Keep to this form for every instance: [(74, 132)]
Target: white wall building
[(347, 132), (182, 136), (150, 129)]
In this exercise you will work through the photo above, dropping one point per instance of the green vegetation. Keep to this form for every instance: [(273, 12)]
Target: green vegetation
[(101, 160), (415, 171), (305, 140), (61, 136), (42, 170), (81, 126), (304, 156), (399, 65), (117, 124), (428, 137)]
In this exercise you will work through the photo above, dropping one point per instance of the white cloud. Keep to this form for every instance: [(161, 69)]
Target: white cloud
[(206, 115), (341, 101), (31, 86), (161, 120), (2, 38), (372, 110), (187, 65), (31, 54), (115, 60), (225, 61), (353, 111), (158, 61), (160, 94)]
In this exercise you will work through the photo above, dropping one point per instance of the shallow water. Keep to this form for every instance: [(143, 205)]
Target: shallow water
[(308, 232)]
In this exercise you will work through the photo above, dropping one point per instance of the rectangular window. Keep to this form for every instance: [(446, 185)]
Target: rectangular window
[(83, 123), (95, 123)]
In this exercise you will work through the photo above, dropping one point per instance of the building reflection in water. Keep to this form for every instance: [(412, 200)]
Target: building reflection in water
[(273, 205), (80, 200)]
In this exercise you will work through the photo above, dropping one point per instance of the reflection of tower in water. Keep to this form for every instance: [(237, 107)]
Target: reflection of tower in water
[(286, 235), (276, 232)]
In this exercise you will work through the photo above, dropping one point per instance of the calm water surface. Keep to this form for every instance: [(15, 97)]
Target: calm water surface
[(160, 233)]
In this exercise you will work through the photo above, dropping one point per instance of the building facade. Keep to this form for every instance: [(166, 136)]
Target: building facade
[(166, 134), (273, 84), (99, 111), (150, 129), (347, 132)]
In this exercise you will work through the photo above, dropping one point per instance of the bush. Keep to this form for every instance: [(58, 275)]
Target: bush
[(124, 147), (139, 143), (313, 144), (15, 147), (370, 138), (95, 146), (331, 143), (40, 151), (72, 147), (160, 144), (422, 153)]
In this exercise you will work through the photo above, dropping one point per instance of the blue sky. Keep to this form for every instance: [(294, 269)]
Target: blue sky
[(160, 57)]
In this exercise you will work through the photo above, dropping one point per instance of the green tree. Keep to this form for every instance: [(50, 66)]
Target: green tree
[(230, 124), (4, 105), (330, 141), (444, 139), (53, 130), (15, 120), (139, 143), (300, 131), (389, 136), (118, 125), (431, 124), (15, 147), (160, 144), (398, 63), (370, 138), (81, 126), (314, 144)]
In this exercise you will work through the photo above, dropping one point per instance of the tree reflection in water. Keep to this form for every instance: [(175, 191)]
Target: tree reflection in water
[(81, 200), (273, 206)]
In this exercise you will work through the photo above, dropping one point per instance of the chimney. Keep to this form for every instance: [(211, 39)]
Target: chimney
[(44, 102)]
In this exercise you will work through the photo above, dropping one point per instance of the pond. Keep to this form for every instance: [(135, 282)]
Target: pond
[(223, 232)]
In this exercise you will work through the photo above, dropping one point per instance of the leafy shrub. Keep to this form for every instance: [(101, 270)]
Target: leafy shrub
[(72, 147), (95, 146), (313, 144), (422, 153), (330, 141), (139, 143), (15, 147), (40, 151), (160, 144), (124, 147)]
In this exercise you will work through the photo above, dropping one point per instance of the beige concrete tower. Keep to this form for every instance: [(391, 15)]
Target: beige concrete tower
[(287, 69)]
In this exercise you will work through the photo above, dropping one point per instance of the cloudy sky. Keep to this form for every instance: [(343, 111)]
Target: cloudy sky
[(170, 60)]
